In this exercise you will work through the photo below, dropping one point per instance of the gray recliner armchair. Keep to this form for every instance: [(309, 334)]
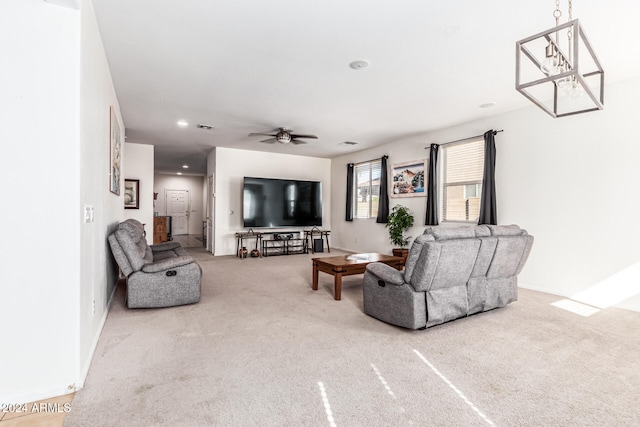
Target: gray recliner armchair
[(450, 272), (161, 275)]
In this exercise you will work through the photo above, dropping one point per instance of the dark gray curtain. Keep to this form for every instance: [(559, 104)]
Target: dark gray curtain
[(488, 210), (432, 187), (349, 209), (383, 200)]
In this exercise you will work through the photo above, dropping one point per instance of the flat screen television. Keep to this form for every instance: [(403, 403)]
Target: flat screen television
[(268, 202)]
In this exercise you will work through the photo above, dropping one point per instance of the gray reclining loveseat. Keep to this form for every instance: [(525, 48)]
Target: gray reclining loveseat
[(161, 275), (450, 272)]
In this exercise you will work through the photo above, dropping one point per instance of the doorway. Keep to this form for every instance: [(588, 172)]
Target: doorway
[(178, 209)]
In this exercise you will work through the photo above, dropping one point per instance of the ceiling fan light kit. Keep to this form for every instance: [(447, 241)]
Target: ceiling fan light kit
[(558, 70), (284, 136)]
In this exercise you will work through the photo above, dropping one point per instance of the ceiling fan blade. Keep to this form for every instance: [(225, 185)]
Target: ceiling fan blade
[(304, 136), (269, 141), (296, 142), (260, 134)]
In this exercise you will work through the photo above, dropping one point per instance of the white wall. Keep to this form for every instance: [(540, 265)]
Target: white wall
[(365, 235), (56, 92), (194, 185), (98, 270), (230, 168), (571, 182), (139, 165)]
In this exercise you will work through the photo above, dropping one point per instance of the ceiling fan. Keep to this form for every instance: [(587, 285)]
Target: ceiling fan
[(284, 136)]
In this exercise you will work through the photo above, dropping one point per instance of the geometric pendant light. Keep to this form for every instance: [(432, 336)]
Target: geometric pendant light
[(558, 70)]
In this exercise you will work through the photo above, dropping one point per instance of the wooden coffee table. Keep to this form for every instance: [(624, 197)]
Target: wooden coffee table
[(347, 265)]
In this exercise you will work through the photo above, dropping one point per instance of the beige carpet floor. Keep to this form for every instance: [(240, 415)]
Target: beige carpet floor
[(263, 349)]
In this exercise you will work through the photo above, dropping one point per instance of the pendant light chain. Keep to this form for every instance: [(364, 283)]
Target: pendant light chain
[(557, 13), (570, 33)]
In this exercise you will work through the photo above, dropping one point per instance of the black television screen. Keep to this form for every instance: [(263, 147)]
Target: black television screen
[(271, 202)]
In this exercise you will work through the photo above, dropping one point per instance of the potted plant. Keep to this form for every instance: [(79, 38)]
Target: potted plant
[(398, 222)]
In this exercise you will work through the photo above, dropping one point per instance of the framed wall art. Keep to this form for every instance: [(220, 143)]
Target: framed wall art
[(115, 151), (131, 194), (408, 179)]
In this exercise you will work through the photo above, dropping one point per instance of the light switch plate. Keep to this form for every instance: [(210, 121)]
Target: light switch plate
[(88, 213)]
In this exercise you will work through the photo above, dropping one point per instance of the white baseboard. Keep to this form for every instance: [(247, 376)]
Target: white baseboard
[(85, 371), (343, 249)]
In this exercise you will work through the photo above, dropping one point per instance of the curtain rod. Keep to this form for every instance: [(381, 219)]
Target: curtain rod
[(368, 161), (466, 139)]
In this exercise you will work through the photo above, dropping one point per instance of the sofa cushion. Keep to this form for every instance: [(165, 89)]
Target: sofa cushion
[(119, 255), (133, 228), (455, 264), (130, 236), (159, 256), (485, 256), (482, 231), (426, 266), (508, 254), (506, 230), (449, 233), (414, 255)]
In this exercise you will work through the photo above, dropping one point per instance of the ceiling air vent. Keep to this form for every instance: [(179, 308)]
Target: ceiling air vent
[(205, 127), (349, 143)]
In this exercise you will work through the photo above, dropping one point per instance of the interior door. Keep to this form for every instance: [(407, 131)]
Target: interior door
[(178, 210)]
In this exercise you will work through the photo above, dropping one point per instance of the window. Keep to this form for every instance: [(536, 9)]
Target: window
[(367, 189), (463, 165)]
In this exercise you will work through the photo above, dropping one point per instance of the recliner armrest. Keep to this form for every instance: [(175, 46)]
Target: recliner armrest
[(386, 273), (167, 264), (165, 246)]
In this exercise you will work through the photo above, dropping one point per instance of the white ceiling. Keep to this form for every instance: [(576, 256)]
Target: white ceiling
[(252, 65)]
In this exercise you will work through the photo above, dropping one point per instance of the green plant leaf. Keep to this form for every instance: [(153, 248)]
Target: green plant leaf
[(398, 222)]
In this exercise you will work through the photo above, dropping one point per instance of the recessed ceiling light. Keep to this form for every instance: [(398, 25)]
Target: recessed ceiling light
[(183, 123), (487, 105), (185, 166), (179, 173), (359, 64)]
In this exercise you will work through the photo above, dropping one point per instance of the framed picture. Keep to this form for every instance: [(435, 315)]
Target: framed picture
[(131, 192), (115, 150), (408, 179)]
